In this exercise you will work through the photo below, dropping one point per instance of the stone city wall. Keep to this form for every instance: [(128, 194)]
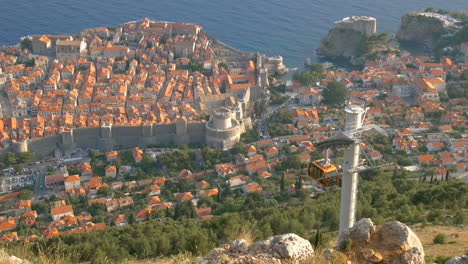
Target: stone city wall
[(107, 138)]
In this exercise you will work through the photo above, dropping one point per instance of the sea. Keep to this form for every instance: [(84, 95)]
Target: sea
[(290, 28)]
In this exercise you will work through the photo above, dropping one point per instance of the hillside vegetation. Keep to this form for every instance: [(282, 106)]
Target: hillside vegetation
[(382, 196)]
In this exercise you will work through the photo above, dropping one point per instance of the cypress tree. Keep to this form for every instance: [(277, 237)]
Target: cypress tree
[(299, 183), (218, 196), (282, 183), (318, 239)]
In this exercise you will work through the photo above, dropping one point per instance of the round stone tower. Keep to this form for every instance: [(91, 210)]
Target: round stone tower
[(20, 146), (223, 130), (222, 119)]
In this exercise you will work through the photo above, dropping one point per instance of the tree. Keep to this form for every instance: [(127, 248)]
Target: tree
[(299, 184), (26, 43), (283, 116), (282, 183), (147, 163), (25, 157), (307, 78), (223, 65), (10, 158), (131, 219), (72, 170), (334, 94), (184, 209), (238, 148), (294, 161), (276, 130), (93, 153), (459, 218), (318, 68), (104, 192), (318, 240), (25, 194), (260, 108), (97, 209)]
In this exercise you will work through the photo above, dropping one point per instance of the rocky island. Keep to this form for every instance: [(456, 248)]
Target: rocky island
[(436, 29), (354, 38)]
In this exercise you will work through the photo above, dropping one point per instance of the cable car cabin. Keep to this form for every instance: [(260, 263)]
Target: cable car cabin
[(323, 173)]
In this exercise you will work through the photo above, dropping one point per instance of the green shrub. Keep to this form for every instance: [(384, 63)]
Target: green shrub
[(345, 245), (440, 238)]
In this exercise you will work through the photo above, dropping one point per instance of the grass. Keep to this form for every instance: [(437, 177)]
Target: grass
[(457, 240), (176, 259), (53, 255)]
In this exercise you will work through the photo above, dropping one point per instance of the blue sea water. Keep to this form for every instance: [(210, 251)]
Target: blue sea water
[(291, 28)]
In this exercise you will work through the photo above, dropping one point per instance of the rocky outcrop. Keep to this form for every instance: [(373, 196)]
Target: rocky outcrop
[(420, 29), (288, 248), (340, 43), (393, 242), (352, 45), (362, 229), (460, 259)]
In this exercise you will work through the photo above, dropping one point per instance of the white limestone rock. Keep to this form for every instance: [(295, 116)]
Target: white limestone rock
[(399, 236), (362, 229), (371, 255), (291, 246), (261, 246), (393, 242), (240, 245), (411, 256)]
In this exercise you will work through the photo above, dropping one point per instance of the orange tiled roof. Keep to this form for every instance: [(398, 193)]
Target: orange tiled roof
[(62, 210)]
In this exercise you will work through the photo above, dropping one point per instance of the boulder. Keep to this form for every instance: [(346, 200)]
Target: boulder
[(460, 259), (397, 235), (371, 255), (393, 242), (240, 245), (291, 246), (412, 256), (362, 229), (261, 246)]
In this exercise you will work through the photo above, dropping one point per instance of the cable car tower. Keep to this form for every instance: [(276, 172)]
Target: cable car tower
[(350, 140)]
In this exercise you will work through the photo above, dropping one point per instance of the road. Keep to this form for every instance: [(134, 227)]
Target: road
[(40, 186), (271, 109)]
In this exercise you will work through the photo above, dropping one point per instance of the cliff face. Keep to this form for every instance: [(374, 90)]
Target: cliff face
[(353, 45), (420, 29), (340, 43)]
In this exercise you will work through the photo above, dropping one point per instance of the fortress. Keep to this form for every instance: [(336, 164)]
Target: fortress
[(364, 24), (222, 131)]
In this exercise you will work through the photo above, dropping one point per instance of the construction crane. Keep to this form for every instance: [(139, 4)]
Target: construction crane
[(349, 140)]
